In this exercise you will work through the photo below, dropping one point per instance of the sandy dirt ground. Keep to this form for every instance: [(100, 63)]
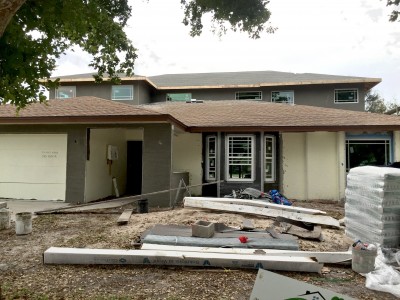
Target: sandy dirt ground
[(23, 275)]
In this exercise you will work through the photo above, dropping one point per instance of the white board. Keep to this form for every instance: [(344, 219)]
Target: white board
[(56, 255), (259, 211)]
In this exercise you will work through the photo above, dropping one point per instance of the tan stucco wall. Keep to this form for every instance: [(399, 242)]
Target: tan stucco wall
[(396, 146), (313, 165), (186, 156), (98, 178)]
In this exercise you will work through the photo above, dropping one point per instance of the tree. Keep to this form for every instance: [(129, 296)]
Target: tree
[(34, 33), (395, 13), (374, 103)]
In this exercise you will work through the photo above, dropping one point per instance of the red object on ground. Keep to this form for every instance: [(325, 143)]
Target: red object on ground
[(243, 239)]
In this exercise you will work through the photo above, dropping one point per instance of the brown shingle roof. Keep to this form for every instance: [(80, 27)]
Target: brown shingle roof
[(258, 115), (80, 109)]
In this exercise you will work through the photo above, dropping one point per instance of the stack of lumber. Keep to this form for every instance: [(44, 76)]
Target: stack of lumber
[(261, 208), (372, 210)]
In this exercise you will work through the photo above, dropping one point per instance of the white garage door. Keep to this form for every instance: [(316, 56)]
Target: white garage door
[(33, 166)]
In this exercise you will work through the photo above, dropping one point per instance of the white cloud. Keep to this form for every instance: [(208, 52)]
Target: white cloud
[(332, 37)]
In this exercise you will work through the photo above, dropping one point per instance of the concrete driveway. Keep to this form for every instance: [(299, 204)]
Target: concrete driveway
[(17, 206)]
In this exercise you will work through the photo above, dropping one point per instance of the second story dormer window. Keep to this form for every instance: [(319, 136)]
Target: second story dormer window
[(179, 97), (346, 96), (64, 92), (122, 92), (282, 97), (256, 95)]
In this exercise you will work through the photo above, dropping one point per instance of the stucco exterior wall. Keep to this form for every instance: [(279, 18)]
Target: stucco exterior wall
[(396, 146), (187, 157), (313, 165), (99, 173)]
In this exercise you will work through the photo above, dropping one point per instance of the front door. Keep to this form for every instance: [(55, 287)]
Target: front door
[(134, 167)]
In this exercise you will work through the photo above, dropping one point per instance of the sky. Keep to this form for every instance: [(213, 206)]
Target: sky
[(338, 37)]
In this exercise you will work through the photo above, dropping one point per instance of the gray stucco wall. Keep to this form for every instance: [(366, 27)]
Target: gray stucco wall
[(141, 91), (314, 95), (157, 163)]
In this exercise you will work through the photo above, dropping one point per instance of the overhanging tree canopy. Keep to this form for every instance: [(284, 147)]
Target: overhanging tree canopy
[(34, 33)]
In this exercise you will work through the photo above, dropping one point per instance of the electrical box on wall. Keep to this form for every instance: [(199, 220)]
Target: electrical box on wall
[(112, 152)]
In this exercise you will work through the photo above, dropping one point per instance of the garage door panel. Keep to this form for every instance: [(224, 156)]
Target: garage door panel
[(33, 165)]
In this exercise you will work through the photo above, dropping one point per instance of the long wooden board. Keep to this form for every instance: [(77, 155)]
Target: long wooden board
[(321, 257), (259, 211), (259, 203), (55, 255), (124, 217)]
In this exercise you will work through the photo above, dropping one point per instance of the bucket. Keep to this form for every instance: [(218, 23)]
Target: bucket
[(363, 261), (23, 223), (4, 219), (143, 206)]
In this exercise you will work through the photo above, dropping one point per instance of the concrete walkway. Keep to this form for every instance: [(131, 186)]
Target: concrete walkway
[(17, 206)]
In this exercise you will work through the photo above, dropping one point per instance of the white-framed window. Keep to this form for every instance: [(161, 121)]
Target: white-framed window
[(65, 92), (179, 97), (252, 95), (282, 97), (269, 158), (240, 151), (346, 96), (211, 158), (122, 92)]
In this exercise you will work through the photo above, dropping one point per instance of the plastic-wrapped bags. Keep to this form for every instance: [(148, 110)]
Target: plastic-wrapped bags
[(385, 278)]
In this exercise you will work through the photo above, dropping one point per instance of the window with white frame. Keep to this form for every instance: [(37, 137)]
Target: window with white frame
[(253, 95), (282, 97), (211, 158), (65, 92), (179, 97), (122, 92), (269, 158), (346, 96), (240, 157)]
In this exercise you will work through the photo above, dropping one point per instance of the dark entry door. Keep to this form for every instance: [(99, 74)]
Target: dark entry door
[(134, 167)]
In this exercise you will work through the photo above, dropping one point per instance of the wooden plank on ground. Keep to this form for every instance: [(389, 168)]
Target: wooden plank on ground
[(322, 257), (124, 217), (55, 255), (259, 211), (260, 203)]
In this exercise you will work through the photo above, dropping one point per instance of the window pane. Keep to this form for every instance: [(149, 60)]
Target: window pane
[(240, 157), (64, 92), (211, 158), (346, 96), (269, 159), (248, 95), (282, 97), (371, 152), (179, 97), (122, 92)]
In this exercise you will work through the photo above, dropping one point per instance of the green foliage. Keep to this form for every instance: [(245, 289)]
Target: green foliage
[(42, 30), (394, 16), (374, 103), (244, 15)]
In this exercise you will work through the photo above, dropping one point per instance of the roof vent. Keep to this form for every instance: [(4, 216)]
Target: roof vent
[(194, 101)]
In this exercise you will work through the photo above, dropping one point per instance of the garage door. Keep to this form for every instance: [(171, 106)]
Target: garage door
[(33, 166)]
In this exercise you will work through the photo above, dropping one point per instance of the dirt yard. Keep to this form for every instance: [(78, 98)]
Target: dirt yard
[(23, 276)]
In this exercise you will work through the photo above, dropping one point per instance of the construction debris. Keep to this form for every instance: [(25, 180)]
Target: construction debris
[(55, 255), (3, 205), (321, 257), (260, 243), (203, 229), (206, 203), (124, 217)]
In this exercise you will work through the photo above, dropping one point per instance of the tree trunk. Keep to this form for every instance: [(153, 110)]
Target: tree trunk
[(8, 8)]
